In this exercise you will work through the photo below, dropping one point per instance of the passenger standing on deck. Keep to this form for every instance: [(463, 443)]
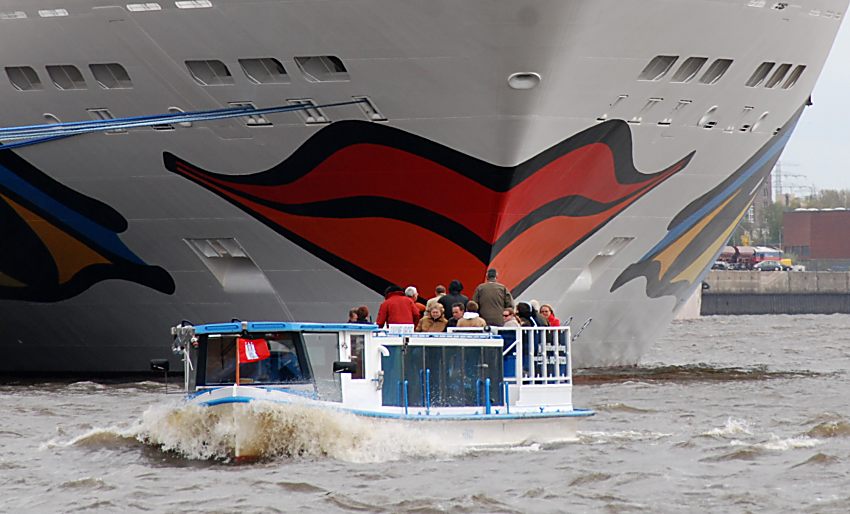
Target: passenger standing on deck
[(492, 298), (523, 312), (539, 320), (455, 296), (440, 292), (509, 318), (363, 314), (352, 316), (457, 314), (434, 321), (397, 309), (413, 294), (547, 312), (471, 318)]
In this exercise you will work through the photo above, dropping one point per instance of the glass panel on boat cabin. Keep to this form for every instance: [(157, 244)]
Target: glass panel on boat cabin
[(358, 343), (286, 364), (322, 352), (457, 377)]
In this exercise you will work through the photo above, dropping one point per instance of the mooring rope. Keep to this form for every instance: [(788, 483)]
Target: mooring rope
[(28, 135)]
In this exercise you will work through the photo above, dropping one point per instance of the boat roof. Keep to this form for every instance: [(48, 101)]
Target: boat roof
[(236, 327)]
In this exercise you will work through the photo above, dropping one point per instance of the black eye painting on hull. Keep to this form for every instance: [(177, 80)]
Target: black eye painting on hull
[(57, 242), (389, 207), (695, 235)]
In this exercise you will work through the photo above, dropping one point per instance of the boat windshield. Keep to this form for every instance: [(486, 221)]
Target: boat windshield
[(283, 366)]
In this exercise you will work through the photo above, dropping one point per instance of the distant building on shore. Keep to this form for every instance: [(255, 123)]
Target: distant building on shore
[(821, 237)]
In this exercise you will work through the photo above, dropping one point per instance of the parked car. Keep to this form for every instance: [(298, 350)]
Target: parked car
[(769, 266), (720, 265)]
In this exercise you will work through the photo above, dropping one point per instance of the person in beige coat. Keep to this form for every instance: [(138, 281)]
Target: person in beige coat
[(471, 318), (434, 321)]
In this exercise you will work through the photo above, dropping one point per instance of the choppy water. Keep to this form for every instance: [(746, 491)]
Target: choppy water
[(727, 414)]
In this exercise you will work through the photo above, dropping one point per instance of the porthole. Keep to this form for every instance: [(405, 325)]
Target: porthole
[(322, 68), (689, 69), (23, 78), (760, 74), (525, 80), (716, 71), (794, 77), (111, 75), (658, 67), (210, 72), (265, 70), (66, 76)]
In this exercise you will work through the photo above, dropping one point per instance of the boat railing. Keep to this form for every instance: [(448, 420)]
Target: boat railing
[(536, 355)]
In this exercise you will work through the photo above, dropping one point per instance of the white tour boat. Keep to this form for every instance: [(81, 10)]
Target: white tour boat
[(468, 389)]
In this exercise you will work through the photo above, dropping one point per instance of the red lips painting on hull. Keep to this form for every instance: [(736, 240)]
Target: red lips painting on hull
[(389, 207)]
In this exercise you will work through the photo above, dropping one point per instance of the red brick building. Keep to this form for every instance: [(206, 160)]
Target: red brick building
[(817, 234)]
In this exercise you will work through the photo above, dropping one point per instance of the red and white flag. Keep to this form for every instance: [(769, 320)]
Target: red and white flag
[(252, 350)]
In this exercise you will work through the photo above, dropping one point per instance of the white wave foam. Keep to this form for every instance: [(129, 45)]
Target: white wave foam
[(93, 437), (775, 443), (732, 427), (625, 435), (270, 430)]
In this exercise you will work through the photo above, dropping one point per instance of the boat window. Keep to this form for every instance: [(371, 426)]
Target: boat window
[(52, 13), (322, 351), (13, 15), (714, 72), (66, 76), (193, 4), (111, 75), (760, 74), (689, 69), (265, 70), (778, 75), (658, 67), (210, 72), (456, 379), (322, 68), (285, 364), (147, 6), (357, 343), (794, 77), (23, 78)]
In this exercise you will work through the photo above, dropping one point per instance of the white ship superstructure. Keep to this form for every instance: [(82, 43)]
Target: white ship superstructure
[(597, 153)]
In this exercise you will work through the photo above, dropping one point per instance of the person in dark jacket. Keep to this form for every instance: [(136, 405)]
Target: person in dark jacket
[(457, 314), (455, 296), (363, 314), (397, 309)]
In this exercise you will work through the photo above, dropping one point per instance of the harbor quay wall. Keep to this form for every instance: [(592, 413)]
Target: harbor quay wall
[(776, 292)]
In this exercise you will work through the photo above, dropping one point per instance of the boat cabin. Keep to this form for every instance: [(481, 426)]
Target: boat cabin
[(366, 368)]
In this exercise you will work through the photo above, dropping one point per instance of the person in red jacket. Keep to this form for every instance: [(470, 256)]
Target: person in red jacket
[(397, 309), (547, 312)]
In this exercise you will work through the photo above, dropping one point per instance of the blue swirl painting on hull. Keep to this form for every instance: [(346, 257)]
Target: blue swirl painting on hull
[(58, 242), (679, 261)]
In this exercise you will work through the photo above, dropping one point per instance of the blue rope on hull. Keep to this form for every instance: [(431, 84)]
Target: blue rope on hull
[(28, 135)]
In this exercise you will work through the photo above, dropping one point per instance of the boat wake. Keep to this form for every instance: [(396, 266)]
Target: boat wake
[(273, 430), (684, 373)]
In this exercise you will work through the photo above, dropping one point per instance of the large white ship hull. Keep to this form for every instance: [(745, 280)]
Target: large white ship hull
[(602, 193)]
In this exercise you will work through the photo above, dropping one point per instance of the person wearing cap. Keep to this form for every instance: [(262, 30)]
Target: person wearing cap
[(492, 299)]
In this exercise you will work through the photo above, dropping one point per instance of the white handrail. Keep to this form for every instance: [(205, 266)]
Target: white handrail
[(545, 349)]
